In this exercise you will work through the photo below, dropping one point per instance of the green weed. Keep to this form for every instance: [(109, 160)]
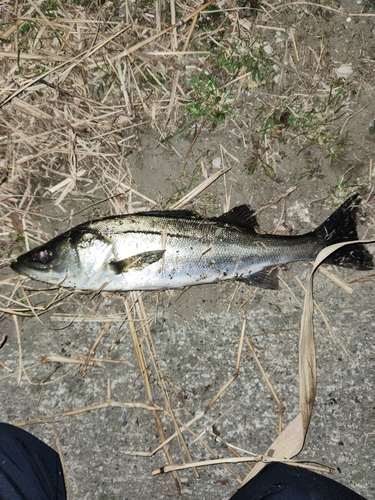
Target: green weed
[(344, 188), (208, 100), (147, 3), (313, 126), (210, 97), (212, 19), (157, 79), (26, 27), (257, 158), (245, 57), (48, 7)]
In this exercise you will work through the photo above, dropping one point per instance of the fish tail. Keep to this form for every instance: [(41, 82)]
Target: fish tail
[(341, 226)]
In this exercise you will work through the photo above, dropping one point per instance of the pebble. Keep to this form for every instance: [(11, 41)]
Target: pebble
[(344, 71)]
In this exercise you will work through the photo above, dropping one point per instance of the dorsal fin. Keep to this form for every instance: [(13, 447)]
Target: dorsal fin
[(241, 216), (172, 214)]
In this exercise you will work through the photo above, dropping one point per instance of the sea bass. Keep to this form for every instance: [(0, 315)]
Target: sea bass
[(172, 249)]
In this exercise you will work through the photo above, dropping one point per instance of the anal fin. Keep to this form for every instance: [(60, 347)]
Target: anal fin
[(266, 278), (136, 262)]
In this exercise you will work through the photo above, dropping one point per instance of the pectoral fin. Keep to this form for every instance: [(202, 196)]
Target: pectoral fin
[(136, 262), (266, 278)]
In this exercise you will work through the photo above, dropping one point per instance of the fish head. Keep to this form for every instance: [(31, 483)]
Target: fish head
[(69, 260)]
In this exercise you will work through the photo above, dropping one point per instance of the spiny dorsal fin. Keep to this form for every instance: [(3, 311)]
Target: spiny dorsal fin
[(172, 214), (241, 216), (136, 262)]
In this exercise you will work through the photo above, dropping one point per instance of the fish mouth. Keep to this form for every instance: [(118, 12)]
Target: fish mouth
[(31, 269), (16, 266), (26, 265), (34, 272), (24, 270)]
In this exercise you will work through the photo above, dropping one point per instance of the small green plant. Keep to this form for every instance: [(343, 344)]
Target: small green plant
[(100, 85), (48, 7), (312, 125), (21, 299), (147, 3), (208, 100), (29, 34), (157, 79), (211, 100), (245, 57), (211, 19), (344, 188), (29, 69), (257, 158), (312, 169), (26, 27)]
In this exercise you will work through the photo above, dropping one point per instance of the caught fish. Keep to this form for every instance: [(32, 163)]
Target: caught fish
[(172, 249)]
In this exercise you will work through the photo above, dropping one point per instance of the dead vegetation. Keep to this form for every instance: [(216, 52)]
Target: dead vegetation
[(79, 82)]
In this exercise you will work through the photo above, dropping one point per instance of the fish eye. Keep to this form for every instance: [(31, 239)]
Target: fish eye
[(43, 255)]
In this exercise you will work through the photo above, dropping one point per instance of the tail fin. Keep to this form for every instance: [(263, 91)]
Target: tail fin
[(342, 226)]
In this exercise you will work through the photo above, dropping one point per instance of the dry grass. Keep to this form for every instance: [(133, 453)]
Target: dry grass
[(78, 82)]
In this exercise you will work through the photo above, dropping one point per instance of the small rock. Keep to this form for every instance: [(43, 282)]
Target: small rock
[(216, 162), (344, 71), (299, 210), (267, 48)]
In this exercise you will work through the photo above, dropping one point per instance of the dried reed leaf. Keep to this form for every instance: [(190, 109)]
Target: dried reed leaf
[(157, 35), (64, 359), (87, 409), (145, 375), (197, 190), (30, 110), (336, 279), (269, 384), (287, 445), (290, 442), (307, 358), (32, 57), (262, 461), (74, 61), (88, 318), (149, 341)]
